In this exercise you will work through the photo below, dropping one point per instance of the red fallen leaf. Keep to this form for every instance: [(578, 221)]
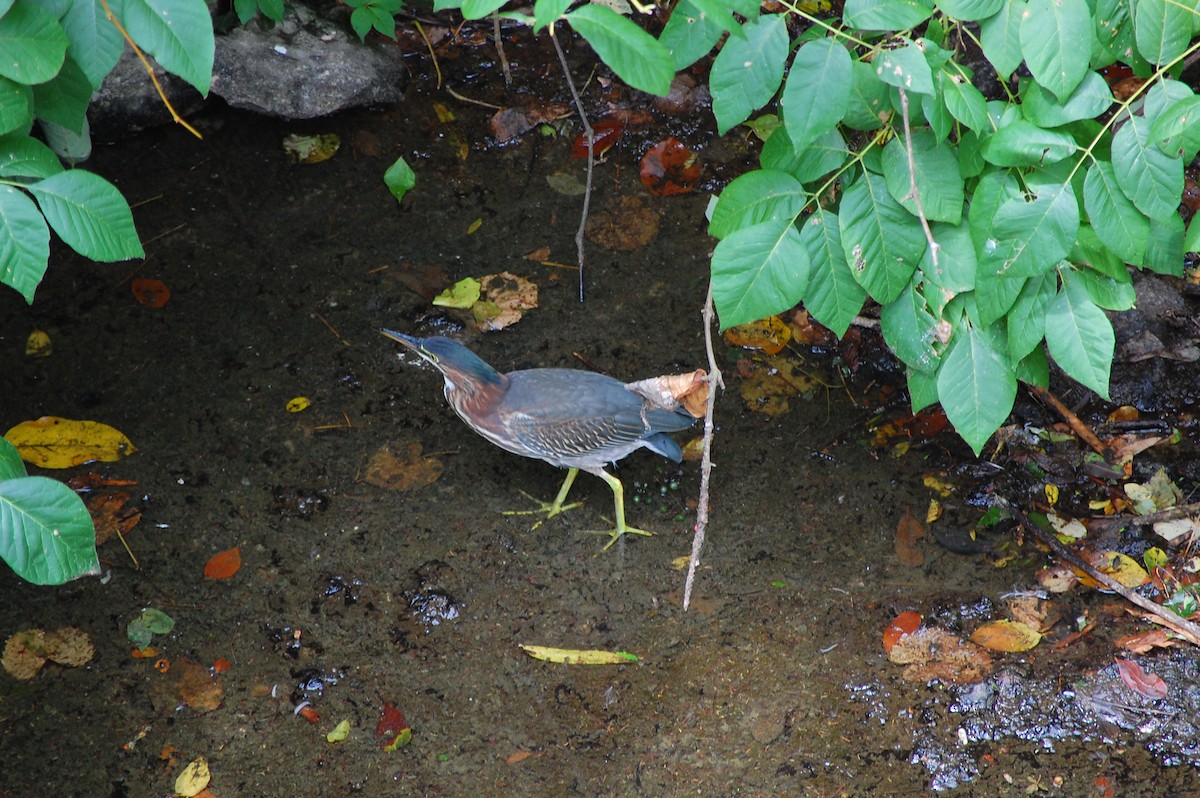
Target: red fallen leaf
[(223, 564), (91, 480), (903, 624), (390, 727), (220, 665), (1138, 680), (605, 134), (149, 292), (669, 168)]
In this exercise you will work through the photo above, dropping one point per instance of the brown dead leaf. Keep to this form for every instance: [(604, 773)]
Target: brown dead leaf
[(111, 517), (505, 299), (769, 382), (196, 686), (632, 224), (391, 472), (933, 653), (807, 330), (908, 533), (674, 390), (25, 654), (364, 142), (69, 646), (508, 123), (540, 254), (1032, 611), (1146, 641), (517, 756), (1007, 636), (1141, 681)]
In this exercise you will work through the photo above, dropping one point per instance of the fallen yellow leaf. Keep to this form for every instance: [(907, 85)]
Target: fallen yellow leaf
[(1010, 636), (38, 344), (574, 656), (53, 442), (193, 779)]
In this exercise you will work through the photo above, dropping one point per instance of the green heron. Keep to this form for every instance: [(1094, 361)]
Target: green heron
[(574, 419)]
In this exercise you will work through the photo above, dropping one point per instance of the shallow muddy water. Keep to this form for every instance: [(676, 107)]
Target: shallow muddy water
[(349, 596)]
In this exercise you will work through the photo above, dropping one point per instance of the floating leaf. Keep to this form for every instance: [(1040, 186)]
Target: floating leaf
[(52, 442), (1005, 635), (339, 732), (669, 168), (150, 292), (223, 564), (400, 178), (571, 656), (770, 335), (605, 134), (462, 294), (298, 404), (194, 778), (38, 344), (195, 686)]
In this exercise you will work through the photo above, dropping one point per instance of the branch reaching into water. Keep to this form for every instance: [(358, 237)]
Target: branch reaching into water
[(714, 382), (589, 137)]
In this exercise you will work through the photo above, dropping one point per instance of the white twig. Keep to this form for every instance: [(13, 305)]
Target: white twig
[(912, 179), (589, 137), (714, 382)]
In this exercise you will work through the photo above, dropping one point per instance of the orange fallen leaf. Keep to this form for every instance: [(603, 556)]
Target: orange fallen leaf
[(908, 533), (220, 665), (110, 516), (196, 686), (1141, 681), (1007, 636), (903, 624), (770, 335), (517, 756), (223, 564), (669, 168), (605, 134), (150, 292), (389, 471)]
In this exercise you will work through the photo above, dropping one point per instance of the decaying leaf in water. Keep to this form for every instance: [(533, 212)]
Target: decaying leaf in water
[(1034, 612), (38, 344), (933, 653), (669, 168), (632, 224), (150, 292), (674, 390), (223, 564), (1142, 642), (111, 517), (909, 533), (1005, 635), (392, 731), (574, 656), (769, 383), (1057, 578), (311, 149), (508, 123), (565, 184), (506, 297), (194, 778), (605, 134), (770, 335), (1171, 531), (389, 471), (1121, 567), (902, 625), (1141, 681), (26, 652), (196, 686), (1158, 493), (53, 442)]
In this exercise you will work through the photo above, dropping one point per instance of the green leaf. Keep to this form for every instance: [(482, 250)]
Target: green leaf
[(882, 242), (89, 214), (1162, 29), (933, 106), (1164, 253), (1000, 36), (32, 43), (1055, 40), (905, 68), (976, 386), (886, 14), (689, 35), (11, 464), (938, 180), (817, 159), (995, 294), (957, 264), (719, 12), (1152, 179), (817, 91), (16, 106), (1091, 98), (758, 196), (156, 621), (178, 33), (64, 100), (1034, 235), (1118, 223), (747, 72), (1114, 31), (1079, 336), (758, 271), (1176, 130), (636, 56), (1191, 241), (1034, 368), (1106, 292), (910, 330), (834, 297), (868, 105), (24, 242), (478, 9), (96, 44), (400, 178), (1026, 322), (970, 10), (1025, 144), (922, 389), (46, 534), (964, 101)]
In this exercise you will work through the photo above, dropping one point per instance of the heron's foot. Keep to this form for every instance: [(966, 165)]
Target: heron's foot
[(615, 534), (549, 509)]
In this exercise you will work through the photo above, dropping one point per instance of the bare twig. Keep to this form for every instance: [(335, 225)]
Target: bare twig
[(1180, 626), (934, 248), (500, 49), (437, 68), (589, 137), (714, 382), (1073, 421)]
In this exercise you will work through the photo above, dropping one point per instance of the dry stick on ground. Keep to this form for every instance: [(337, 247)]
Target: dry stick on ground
[(714, 382), (500, 48), (1073, 421), (588, 136), (934, 248), (1181, 626), (1169, 514)]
